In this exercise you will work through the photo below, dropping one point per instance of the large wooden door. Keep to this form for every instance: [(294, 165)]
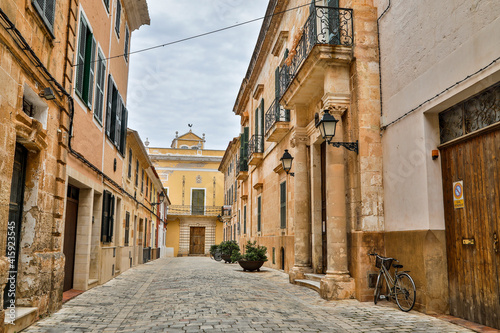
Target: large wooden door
[(14, 224), (197, 240), (472, 232), (70, 236)]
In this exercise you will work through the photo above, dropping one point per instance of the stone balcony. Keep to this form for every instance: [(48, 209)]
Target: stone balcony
[(277, 121), (255, 150), (326, 39)]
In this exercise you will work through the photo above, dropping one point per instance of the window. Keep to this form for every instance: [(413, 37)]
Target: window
[(127, 228), (136, 172), (259, 211), (142, 182), (259, 119), (244, 219), (283, 205), (99, 86), (116, 117), (118, 17), (85, 63), (130, 163), (106, 3), (127, 38), (28, 107), (46, 9), (147, 187), (108, 212)]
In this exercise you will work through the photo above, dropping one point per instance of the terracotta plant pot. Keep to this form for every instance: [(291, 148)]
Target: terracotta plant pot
[(251, 265)]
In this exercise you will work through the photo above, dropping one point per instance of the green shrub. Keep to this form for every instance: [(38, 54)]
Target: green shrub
[(254, 253), (228, 247), (213, 249)]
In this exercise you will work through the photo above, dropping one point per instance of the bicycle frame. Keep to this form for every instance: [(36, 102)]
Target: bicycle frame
[(389, 280)]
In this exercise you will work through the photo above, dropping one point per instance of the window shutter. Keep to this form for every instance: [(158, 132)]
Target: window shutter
[(124, 130), (109, 106), (91, 72), (80, 58), (245, 219), (50, 12), (283, 205), (256, 121), (261, 120), (127, 37), (106, 2), (111, 217), (99, 87), (129, 163), (259, 210), (118, 16), (118, 122), (105, 217), (277, 83)]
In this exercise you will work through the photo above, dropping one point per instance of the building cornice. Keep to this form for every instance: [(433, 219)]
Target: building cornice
[(137, 13)]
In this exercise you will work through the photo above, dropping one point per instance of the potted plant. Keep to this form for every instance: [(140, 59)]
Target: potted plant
[(215, 252), (254, 257), (227, 248)]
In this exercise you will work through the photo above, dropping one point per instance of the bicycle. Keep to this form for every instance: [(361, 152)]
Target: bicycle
[(400, 287)]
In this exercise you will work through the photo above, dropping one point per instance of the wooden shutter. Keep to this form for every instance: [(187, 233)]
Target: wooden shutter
[(245, 219), (127, 37), (118, 123), (118, 17), (142, 182), (259, 210), (256, 121), (99, 87), (91, 72), (47, 10), (80, 58), (124, 130), (277, 83), (105, 216), (109, 106), (283, 205), (129, 163), (111, 218), (106, 2), (127, 228), (261, 124)]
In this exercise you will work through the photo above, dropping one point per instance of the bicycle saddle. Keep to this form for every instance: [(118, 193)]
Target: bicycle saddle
[(397, 266)]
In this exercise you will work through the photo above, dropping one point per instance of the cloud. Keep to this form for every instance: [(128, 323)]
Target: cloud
[(195, 81)]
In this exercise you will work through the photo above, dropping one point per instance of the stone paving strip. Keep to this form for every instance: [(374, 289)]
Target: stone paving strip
[(194, 294)]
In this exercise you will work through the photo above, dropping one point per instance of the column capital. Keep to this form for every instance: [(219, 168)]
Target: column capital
[(299, 137), (336, 103)]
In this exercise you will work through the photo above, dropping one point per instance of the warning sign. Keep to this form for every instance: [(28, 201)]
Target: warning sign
[(458, 194)]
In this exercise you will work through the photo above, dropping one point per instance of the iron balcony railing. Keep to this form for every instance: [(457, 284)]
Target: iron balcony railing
[(274, 114), (326, 26), (193, 210), (255, 145)]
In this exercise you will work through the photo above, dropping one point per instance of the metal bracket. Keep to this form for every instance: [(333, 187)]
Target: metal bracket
[(352, 146)]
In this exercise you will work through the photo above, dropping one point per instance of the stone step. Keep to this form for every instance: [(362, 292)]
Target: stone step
[(314, 277), (314, 285), (23, 318)]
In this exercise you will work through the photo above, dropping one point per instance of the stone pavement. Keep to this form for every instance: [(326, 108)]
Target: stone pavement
[(193, 294)]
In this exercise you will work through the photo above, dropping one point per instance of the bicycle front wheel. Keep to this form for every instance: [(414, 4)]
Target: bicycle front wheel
[(405, 291), (378, 288)]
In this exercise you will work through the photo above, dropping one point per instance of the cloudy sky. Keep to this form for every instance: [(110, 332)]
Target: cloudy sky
[(194, 82)]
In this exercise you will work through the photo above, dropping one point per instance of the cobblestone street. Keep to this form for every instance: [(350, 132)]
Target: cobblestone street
[(194, 294)]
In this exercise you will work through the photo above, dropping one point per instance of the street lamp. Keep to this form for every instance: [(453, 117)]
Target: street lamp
[(327, 126), (162, 198), (286, 161)]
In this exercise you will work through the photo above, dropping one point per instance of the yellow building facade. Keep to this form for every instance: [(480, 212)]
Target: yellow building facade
[(189, 174)]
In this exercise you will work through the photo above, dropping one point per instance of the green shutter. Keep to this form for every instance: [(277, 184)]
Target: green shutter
[(118, 122), (105, 216), (127, 37), (99, 87), (277, 83), (283, 205), (118, 17), (91, 72), (124, 130), (111, 218), (259, 210), (245, 219), (256, 122), (261, 123), (109, 106), (80, 58)]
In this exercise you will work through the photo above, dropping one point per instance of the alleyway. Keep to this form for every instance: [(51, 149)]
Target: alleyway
[(194, 294)]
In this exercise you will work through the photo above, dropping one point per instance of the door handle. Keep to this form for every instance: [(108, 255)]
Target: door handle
[(495, 242)]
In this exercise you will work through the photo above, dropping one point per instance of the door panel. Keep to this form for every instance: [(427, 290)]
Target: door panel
[(70, 236), (197, 240), (14, 223), (473, 268)]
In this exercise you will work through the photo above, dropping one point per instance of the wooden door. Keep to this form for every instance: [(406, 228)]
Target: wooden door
[(70, 236), (197, 240), (323, 208), (198, 202), (472, 232), (14, 223)]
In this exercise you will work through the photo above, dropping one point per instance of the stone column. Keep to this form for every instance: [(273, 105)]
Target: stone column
[(301, 214), (338, 283)]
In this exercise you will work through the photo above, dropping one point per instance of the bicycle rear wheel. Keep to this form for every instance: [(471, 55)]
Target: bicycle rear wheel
[(378, 288), (405, 291)]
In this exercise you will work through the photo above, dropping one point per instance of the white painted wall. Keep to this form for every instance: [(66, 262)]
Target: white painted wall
[(426, 47)]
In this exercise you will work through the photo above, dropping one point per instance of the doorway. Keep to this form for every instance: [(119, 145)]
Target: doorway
[(472, 229), (324, 245), (72, 197), (197, 240), (14, 223)]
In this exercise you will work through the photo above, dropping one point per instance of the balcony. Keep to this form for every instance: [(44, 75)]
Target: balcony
[(255, 149), (194, 210), (276, 122), (242, 168), (327, 37)]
